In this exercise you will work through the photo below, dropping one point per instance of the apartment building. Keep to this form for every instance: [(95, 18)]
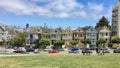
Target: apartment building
[(116, 20)]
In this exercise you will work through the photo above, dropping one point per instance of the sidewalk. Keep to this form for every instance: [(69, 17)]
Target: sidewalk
[(7, 55)]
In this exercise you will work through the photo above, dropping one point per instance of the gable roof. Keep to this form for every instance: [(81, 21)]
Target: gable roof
[(91, 30), (104, 29)]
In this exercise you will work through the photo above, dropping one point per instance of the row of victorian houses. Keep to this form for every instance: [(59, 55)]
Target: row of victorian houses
[(68, 34), (34, 33)]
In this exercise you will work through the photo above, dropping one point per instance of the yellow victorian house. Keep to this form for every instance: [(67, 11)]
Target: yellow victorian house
[(67, 35), (104, 33)]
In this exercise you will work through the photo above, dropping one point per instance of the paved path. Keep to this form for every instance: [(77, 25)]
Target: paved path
[(7, 55)]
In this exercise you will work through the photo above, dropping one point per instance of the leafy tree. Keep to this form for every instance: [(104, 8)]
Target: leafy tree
[(86, 28), (12, 42), (4, 43), (86, 41), (101, 42), (58, 43), (102, 22), (73, 42), (43, 43), (115, 40), (19, 39)]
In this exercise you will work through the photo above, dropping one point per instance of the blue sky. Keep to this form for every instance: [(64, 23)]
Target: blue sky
[(55, 13)]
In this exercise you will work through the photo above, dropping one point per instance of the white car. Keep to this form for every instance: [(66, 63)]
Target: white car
[(47, 49)]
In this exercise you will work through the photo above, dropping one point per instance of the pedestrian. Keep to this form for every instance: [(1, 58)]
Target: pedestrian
[(101, 52), (97, 51)]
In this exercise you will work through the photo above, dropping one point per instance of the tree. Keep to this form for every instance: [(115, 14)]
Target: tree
[(102, 22), (101, 42), (58, 43), (86, 28), (43, 43), (11, 42), (19, 40), (86, 41), (115, 40), (73, 42), (4, 43)]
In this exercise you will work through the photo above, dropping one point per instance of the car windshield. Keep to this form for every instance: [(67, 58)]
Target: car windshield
[(118, 48), (74, 49)]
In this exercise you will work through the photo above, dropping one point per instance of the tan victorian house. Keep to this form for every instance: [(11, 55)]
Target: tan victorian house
[(104, 33), (78, 35), (46, 33), (67, 35)]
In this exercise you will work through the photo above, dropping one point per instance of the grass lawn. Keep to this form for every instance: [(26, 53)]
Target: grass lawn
[(61, 61)]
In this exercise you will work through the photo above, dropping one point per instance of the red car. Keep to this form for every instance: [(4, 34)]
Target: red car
[(18, 51), (53, 51)]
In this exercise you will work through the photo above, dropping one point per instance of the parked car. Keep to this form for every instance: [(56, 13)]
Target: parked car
[(117, 50), (86, 51), (15, 47), (47, 49), (30, 50), (105, 50), (9, 46), (93, 47), (74, 50), (18, 51), (60, 49), (54, 51)]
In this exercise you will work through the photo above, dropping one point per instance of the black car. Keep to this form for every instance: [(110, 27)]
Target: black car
[(105, 50), (116, 50), (86, 51), (93, 47), (30, 50)]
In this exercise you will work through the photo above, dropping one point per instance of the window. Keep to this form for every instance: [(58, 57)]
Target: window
[(87, 34), (106, 39), (80, 35), (106, 34)]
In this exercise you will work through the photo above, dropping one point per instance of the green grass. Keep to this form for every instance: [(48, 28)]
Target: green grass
[(61, 61)]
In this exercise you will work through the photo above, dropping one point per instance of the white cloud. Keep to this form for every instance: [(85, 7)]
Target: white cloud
[(95, 10), (65, 8), (54, 8)]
